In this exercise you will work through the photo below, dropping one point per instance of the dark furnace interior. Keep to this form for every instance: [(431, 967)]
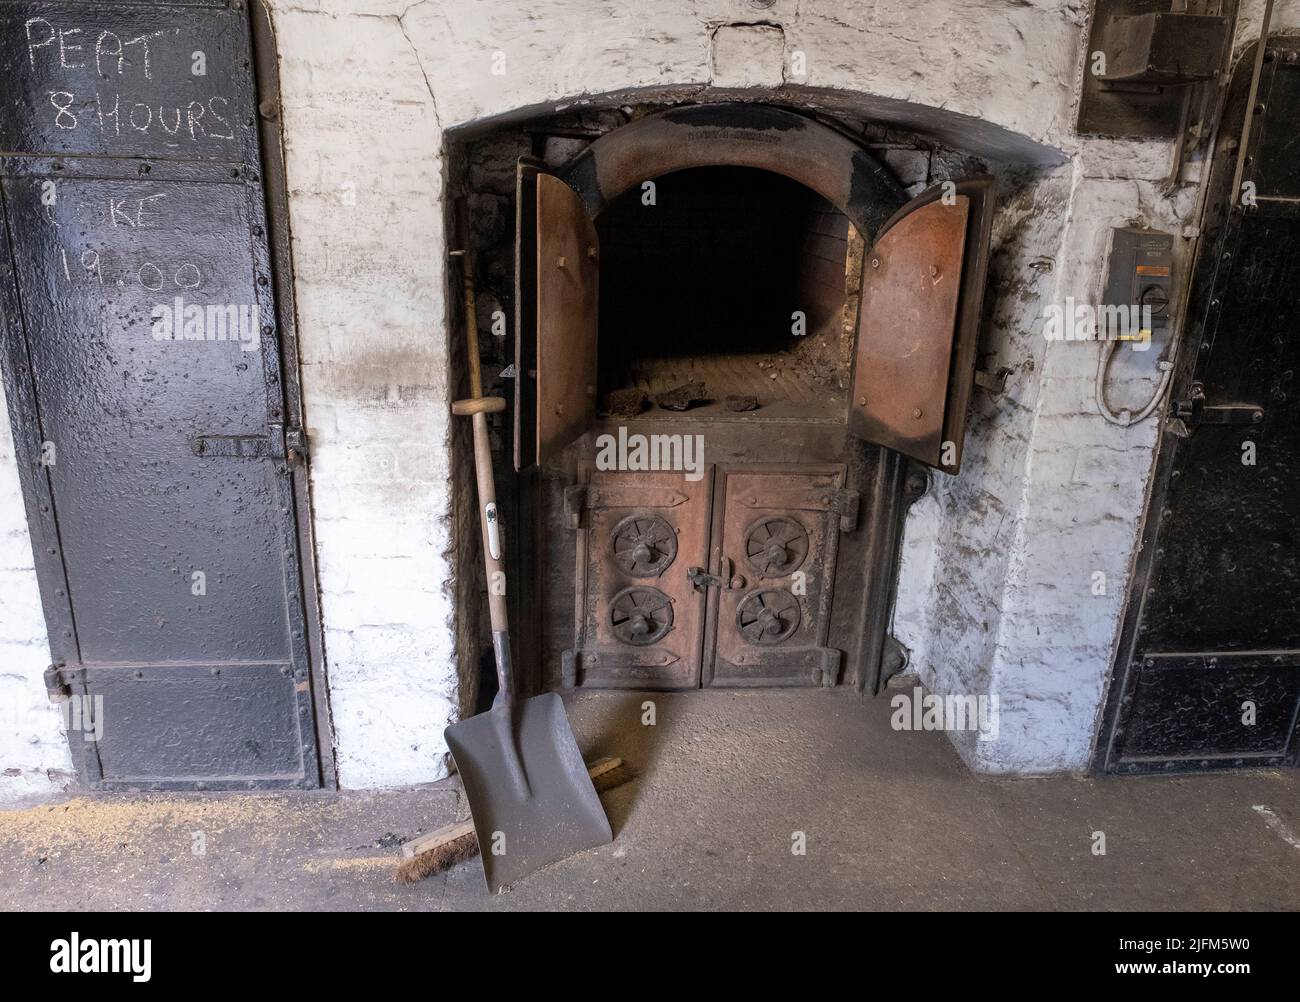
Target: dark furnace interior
[(731, 277)]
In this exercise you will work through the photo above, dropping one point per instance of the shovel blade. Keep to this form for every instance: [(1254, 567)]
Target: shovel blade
[(524, 827)]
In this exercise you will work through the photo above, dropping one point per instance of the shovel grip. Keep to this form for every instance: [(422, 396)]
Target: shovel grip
[(505, 696)]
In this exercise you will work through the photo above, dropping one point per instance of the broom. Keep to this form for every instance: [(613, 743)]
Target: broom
[(442, 849)]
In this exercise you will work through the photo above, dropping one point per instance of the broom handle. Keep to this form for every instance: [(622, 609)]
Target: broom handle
[(478, 407)]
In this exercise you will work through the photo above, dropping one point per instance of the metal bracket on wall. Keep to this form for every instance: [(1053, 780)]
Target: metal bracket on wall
[(296, 447), (1144, 58), (995, 382)]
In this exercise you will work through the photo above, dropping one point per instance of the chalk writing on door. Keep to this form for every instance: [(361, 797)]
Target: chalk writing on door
[(120, 85)]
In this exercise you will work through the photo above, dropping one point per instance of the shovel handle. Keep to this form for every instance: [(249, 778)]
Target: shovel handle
[(477, 408)]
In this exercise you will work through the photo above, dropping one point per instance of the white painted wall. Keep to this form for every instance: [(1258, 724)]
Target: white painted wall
[(996, 585), (34, 756)]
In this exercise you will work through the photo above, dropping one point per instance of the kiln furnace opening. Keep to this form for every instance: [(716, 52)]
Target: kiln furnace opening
[(721, 247), (732, 277)]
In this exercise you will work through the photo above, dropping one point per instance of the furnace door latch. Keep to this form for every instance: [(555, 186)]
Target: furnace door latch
[(702, 580), (286, 443), (1193, 411)]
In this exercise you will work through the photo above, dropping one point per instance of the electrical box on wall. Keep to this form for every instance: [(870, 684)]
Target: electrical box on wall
[(1139, 273), (1143, 59)]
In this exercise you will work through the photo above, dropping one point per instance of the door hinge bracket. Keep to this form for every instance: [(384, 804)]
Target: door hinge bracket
[(845, 503), (575, 500), (296, 447), (831, 661), (58, 683), (568, 669)]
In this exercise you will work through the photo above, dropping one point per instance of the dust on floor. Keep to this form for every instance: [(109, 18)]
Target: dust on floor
[(782, 800)]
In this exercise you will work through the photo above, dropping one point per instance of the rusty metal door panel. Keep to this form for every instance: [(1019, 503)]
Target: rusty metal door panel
[(639, 620), (568, 271), (922, 296), (773, 557), (141, 351)]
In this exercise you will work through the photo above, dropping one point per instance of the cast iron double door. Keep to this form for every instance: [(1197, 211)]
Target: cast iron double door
[(721, 581)]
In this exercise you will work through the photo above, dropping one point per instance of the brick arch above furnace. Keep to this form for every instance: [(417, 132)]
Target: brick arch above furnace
[(738, 135)]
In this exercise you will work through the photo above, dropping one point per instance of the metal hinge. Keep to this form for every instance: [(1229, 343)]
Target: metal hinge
[(575, 500), (845, 503), (58, 683), (832, 659), (568, 669), (296, 447)]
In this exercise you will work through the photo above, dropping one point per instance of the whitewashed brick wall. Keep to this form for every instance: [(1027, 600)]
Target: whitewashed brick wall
[(34, 756)]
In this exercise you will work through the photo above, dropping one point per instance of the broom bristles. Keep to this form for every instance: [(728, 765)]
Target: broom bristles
[(436, 860)]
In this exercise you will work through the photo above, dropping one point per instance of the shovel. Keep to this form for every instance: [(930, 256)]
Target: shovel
[(530, 796)]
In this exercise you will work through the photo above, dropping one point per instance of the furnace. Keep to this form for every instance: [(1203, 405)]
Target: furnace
[(747, 280)]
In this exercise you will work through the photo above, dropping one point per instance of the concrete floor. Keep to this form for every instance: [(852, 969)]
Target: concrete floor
[(892, 820)]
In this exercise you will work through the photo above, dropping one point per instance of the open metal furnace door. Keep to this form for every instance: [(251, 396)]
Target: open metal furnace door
[(557, 269), (922, 295)]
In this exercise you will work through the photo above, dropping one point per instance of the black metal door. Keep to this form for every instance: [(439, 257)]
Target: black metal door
[(143, 373), (1209, 668)]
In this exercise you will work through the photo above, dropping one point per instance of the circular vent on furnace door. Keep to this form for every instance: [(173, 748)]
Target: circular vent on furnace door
[(640, 616), (643, 545), (767, 616), (775, 546)]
